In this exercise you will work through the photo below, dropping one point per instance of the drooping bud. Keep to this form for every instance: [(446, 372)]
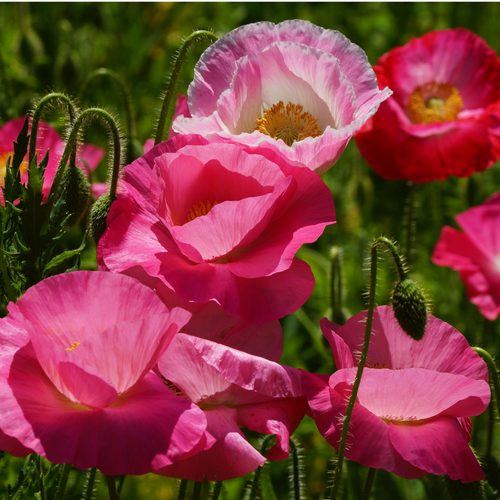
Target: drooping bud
[(465, 491), (98, 216), (410, 308), (75, 190)]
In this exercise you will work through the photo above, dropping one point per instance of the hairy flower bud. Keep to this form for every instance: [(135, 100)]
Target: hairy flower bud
[(465, 491), (75, 190), (410, 308), (98, 216)]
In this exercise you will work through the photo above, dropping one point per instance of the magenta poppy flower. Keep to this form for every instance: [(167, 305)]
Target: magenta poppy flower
[(475, 253), (209, 321), (75, 379), (411, 415), (88, 156), (233, 389), (216, 222), (294, 88), (444, 116)]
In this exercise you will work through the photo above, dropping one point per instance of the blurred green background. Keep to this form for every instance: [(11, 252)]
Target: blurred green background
[(46, 47)]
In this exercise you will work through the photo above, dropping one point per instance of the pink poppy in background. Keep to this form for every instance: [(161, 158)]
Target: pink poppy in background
[(444, 116), (209, 321), (216, 222), (411, 415), (233, 389), (75, 379), (294, 88), (88, 157), (475, 253)]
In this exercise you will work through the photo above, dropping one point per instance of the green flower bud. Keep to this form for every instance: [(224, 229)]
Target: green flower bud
[(98, 216), (491, 470), (75, 191), (465, 491), (410, 308)]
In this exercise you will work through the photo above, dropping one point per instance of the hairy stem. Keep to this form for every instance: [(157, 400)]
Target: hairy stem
[(197, 36), (369, 483)]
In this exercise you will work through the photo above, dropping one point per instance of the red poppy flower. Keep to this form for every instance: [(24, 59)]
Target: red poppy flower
[(444, 116)]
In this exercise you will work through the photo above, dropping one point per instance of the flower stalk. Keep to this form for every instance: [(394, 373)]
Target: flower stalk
[(197, 36)]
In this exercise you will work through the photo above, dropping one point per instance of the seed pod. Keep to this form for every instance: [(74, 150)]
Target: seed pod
[(410, 308), (98, 216), (465, 491)]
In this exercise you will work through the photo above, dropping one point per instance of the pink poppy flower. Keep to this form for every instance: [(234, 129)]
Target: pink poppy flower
[(294, 88), (475, 253), (88, 157), (233, 389), (216, 222), (209, 321), (411, 415), (75, 379), (444, 116)]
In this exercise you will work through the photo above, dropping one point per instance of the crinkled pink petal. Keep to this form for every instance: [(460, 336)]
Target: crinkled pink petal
[(89, 157), (442, 349), (230, 456), (215, 374), (209, 321), (437, 446), (156, 425), (368, 439), (280, 417), (149, 145), (341, 352), (416, 394)]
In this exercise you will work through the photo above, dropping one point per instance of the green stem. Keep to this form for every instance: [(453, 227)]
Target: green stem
[(110, 481), (89, 487), (409, 224), (63, 479), (37, 114), (492, 369), (125, 93), (83, 117), (336, 285), (395, 254), (182, 489), (369, 483), (197, 490), (197, 36), (491, 430), (267, 444), (296, 470), (216, 491), (361, 365)]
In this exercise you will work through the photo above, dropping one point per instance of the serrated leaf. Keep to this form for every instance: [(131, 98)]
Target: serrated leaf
[(43, 164), (54, 266), (21, 146), (12, 184)]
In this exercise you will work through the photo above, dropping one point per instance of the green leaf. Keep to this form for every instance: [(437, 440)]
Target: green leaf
[(60, 262), (21, 147)]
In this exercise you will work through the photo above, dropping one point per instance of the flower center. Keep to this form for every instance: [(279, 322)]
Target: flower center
[(290, 123), (434, 103), (199, 209), (73, 346), (3, 166)]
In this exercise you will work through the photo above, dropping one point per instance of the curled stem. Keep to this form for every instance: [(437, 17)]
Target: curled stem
[(110, 482), (295, 482), (182, 489), (369, 483), (83, 117), (197, 490), (125, 93), (197, 36), (89, 485), (216, 491), (37, 114), (63, 479), (361, 365)]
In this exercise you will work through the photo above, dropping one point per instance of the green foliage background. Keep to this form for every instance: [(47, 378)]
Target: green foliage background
[(54, 46)]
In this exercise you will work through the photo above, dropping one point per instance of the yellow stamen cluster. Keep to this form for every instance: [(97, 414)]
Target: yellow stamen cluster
[(290, 123), (3, 166), (434, 103), (200, 209), (73, 346)]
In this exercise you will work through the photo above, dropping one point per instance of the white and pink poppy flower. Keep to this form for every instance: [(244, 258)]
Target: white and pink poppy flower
[(295, 88), (76, 384), (234, 389), (411, 416)]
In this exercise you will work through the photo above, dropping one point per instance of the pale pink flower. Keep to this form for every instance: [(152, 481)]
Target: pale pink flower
[(88, 157), (216, 222), (475, 253), (295, 88), (233, 389), (411, 415), (75, 379)]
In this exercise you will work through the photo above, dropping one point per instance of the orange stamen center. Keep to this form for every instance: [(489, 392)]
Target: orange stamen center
[(290, 123), (200, 209), (3, 166), (73, 346), (434, 103)]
